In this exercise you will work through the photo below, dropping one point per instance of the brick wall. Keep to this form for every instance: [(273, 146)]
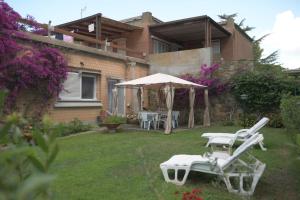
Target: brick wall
[(105, 65), (109, 68)]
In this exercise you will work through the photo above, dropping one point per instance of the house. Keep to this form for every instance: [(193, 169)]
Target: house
[(102, 52)]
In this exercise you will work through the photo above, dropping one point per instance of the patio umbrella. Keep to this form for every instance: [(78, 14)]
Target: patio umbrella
[(169, 91), (115, 101), (191, 115)]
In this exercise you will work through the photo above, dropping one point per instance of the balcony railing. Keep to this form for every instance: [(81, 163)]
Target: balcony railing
[(87, 41)]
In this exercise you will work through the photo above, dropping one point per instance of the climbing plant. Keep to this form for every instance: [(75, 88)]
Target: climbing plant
[(203, 77), (37, 67)]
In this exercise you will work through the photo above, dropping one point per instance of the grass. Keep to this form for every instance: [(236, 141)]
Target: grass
[(125, 165)]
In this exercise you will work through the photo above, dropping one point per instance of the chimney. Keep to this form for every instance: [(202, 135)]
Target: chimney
[(147, 17)]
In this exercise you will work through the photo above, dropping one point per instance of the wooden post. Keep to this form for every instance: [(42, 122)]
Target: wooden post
[(207, 32), (98, 30), (49, 29), (206, 117)]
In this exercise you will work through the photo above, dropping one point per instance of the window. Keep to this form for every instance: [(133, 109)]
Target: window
[(79, 86), (88, 83), (160, 47), (216, 47)]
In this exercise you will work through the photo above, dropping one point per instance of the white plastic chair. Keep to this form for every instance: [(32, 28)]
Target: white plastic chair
[(225, 167), (175, 118)]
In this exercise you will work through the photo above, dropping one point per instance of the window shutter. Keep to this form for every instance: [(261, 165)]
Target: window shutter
[(71, 89)]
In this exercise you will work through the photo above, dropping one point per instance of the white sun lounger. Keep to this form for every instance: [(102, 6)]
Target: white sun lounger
[(224, 167), (240, 135)]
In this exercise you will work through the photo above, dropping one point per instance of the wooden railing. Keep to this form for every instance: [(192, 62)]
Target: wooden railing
[(87, 39)]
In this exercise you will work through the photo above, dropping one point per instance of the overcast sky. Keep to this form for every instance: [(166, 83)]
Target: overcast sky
[(281, 18)]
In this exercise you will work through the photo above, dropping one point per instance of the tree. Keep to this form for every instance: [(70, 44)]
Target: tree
[(258, 53), (226, 17)]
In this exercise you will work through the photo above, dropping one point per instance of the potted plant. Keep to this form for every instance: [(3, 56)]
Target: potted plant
[(113, 122)]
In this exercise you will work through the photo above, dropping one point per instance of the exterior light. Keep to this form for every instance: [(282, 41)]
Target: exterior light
[(244, 96)]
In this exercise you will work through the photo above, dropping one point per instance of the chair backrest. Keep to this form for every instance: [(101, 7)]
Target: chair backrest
[(254, 139), (175, 115), (143, 116), (261, 123)]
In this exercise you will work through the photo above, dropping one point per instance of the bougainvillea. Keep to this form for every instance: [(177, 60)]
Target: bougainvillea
[(37, 67), (203, 77)]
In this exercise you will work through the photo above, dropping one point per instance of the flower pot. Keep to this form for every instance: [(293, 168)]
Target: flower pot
[(112, 127)]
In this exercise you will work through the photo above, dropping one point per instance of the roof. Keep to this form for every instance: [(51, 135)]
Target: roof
[(293, 72), (159, 80), (109, 27), (189, 29)]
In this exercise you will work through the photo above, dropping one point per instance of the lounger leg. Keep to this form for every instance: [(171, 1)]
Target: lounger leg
[(261, 144), (175, 180), (226, 179)]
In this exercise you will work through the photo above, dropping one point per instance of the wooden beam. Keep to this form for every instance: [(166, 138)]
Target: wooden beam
[(207, 33), (98, 30), (78, 36), (166, 38)]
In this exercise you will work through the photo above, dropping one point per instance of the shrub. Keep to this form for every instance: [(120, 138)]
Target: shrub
[(73, 127), (275, 120), (62, 129), (24, 170), (290, 111), (114, 120), (248, 121)]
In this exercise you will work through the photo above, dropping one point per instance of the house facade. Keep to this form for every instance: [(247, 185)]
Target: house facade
[(102, 52)]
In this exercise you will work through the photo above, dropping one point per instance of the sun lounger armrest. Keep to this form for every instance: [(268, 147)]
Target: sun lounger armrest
[(241, 131)]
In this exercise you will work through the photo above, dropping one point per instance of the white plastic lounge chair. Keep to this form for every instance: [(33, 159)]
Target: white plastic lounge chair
[(240, 135), (226, 168)]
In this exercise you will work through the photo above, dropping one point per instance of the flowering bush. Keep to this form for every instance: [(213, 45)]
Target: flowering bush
[(203, 77), (38, 68)]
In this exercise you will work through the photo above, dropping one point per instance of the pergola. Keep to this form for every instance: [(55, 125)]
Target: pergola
[(168, 83)]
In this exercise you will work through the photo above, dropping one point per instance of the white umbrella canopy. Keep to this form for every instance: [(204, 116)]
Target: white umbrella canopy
[(159, 80)]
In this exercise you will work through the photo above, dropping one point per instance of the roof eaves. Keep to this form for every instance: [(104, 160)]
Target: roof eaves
[(191, 19)]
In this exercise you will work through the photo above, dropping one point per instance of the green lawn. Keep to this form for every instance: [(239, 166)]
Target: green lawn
[(125, 165)]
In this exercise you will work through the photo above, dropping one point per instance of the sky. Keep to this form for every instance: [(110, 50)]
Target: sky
[(279, 18)]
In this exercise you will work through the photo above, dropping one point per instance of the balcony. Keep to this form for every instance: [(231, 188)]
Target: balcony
[(94, 31), (184, 45), (180, 62)]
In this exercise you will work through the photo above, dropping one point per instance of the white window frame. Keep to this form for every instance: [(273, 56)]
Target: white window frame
[(81, 74)]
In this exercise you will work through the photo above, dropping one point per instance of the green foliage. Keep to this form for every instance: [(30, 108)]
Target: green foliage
[(290, 111), (248, 121), (275, 120), (227, 17), (258, 53), (24, 172), (264, 91), (64, 129), (114, 120)]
